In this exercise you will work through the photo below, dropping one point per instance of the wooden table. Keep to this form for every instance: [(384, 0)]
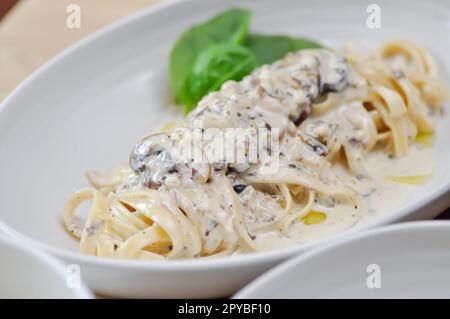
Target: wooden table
[(33, 31)]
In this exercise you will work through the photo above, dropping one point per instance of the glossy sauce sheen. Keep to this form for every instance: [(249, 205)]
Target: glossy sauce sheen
[(284, 96)]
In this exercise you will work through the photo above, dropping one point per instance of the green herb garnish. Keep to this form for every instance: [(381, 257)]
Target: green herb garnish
[(214, 66), (220, 49), (269, 48), (229, 27)]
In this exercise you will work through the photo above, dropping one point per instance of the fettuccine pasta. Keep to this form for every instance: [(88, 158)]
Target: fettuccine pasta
[(346, 125)]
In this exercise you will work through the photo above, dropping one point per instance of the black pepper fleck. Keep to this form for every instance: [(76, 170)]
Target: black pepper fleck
[(238, 188)]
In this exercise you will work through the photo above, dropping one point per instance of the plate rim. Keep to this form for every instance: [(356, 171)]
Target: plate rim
[(49, 261), (270, 256), (249, 290)]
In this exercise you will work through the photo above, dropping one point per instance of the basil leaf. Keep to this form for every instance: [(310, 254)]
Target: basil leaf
[(269, 48), (216, 65), (229, 26)]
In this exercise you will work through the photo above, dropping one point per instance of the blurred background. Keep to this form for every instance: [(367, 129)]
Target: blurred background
[(33, 31)]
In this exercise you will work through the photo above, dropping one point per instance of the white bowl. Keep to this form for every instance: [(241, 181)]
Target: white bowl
[(408, 260), (26, 272), (86, 108)]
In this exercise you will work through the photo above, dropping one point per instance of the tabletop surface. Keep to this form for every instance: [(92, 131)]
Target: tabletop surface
[(33, 31)]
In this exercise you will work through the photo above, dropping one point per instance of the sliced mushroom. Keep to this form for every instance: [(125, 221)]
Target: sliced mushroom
[(325, 133), (238, 168), (152, 157), (333, 73), (314, 144), (303, 113)]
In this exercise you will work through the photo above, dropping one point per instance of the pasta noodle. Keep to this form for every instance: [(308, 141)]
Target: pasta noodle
[(332, 113)]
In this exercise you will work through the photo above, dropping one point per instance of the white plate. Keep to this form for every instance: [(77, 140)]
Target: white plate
[(26, 272), (409, 260), (86, 109)]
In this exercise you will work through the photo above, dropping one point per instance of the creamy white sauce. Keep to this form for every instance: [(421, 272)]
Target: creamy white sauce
[(282, 96), (378, 195)]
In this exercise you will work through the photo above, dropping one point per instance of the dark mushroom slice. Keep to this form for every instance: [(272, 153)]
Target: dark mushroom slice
[(152, 157), (304, 111), (333, 73), (314, 144), (238, 168), (238, 188)]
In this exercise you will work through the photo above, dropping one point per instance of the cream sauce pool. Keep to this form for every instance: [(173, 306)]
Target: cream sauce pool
[(310, 154)]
